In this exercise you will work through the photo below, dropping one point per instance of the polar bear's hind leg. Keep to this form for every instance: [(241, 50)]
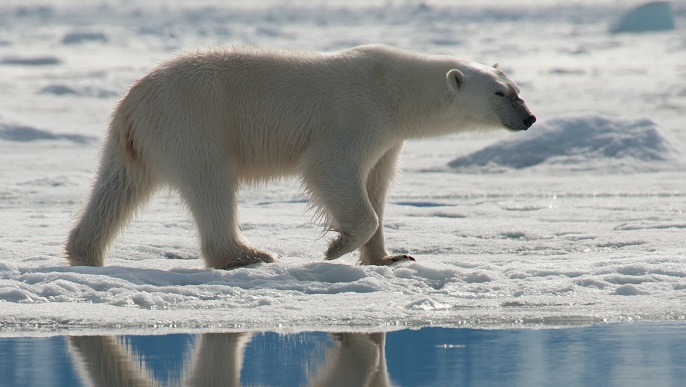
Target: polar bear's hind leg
[(211, 198), (120, 189)]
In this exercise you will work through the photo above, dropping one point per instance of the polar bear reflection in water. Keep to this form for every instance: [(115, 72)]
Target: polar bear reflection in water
[(358, 359)]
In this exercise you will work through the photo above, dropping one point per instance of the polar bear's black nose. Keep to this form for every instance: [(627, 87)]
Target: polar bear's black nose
[(528, 121)]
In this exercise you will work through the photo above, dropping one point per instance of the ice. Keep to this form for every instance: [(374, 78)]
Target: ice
[(587, 141), (653, 16), (84, 36), (31, 60), (9, 132), (629, 290), (582, 224), (14, 130), (79, 91)]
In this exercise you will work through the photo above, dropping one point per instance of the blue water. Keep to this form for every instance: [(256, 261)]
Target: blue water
[(602, 355)]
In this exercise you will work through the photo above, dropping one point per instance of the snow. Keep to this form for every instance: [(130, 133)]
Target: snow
[(587, 141), (653, 16), (583, 222), (81, 37), (23, 133)]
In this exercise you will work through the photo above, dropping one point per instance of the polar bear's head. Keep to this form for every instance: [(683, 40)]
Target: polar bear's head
[(488, 97)]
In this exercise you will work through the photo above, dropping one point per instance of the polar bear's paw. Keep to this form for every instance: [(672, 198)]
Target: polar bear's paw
[(389, 260), (251, 257)]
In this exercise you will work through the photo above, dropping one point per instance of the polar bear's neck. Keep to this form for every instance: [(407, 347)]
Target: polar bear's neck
[(422, 100)]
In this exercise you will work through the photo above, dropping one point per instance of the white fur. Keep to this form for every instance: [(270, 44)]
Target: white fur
[(207, 121)]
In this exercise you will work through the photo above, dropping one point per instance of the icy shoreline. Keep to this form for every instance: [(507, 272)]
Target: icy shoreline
[(506, 259)]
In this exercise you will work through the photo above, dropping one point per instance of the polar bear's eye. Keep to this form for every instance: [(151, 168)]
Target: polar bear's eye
[(499, 93)]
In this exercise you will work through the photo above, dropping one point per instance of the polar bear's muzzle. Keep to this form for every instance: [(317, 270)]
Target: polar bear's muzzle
[(520, 117), (528, 121)]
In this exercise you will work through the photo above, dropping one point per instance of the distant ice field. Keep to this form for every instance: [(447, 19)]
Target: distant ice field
[(579, 220)]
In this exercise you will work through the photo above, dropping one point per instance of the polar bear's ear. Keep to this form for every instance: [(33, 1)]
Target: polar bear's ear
[(496, 66), (455, 79)]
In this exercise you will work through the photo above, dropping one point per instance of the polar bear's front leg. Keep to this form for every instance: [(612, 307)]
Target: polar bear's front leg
[(355, 204), (355, 221), (338, 189), (374, 251)]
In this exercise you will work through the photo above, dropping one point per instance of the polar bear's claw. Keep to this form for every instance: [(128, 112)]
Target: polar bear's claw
[(402, 257), (389, 260), (246, 260)]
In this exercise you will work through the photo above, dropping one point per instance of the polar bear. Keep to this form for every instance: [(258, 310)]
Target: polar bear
[(207, 121)]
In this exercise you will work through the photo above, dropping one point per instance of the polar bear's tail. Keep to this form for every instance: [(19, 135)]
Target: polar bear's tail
[(121, 187)]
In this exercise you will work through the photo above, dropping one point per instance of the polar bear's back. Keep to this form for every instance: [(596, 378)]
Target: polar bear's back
[(265, 108), (262, 108)]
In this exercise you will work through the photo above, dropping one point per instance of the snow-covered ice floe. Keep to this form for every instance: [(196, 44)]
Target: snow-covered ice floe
[(651, 16), (297, 295), (584, 223), (588, 141)]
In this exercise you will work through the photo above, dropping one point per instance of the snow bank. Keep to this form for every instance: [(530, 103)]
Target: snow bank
[(82, 37), (60, 89), (585, 141), (12, 131), (655, 16), (42, 295), (46, 60)]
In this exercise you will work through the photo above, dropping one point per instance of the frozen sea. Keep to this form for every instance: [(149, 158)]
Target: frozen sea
[(577, 223)]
